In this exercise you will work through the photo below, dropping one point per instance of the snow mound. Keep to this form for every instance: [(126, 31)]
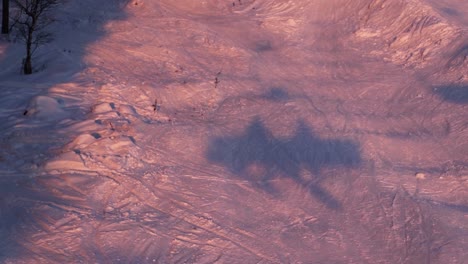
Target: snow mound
[(414, 33), (46, 108)]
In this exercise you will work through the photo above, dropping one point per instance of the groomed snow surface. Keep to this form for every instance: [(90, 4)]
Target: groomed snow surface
[(240, 131)]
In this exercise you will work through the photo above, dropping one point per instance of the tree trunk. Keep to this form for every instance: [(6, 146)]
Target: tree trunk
[(27, 67), (6, 17)]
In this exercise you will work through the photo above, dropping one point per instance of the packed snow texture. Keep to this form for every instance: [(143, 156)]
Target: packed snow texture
[(240, 131)]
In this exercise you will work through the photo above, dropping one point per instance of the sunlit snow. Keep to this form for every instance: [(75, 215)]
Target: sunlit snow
[(240, 131)]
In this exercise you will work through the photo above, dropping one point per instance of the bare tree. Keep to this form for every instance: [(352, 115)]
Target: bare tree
[(31, 21), (5, 16)]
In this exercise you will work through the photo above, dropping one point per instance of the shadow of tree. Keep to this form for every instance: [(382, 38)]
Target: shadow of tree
[(453, 93), (284, 157), (30, 202)]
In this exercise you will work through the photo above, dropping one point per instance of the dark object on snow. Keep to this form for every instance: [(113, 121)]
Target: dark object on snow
[(217, 79), (155, 105)]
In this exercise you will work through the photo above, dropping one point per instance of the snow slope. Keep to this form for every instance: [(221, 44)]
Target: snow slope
[(242, 131)]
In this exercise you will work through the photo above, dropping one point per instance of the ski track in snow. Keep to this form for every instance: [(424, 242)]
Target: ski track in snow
[(253, 131)]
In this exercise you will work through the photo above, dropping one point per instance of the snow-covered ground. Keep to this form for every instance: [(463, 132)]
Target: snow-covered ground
[(241, 131)]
